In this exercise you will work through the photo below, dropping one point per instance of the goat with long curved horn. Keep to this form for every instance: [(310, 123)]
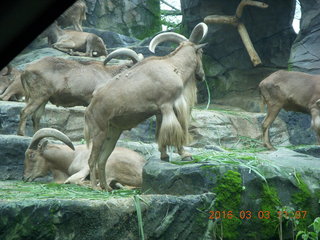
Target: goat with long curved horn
[(69, 164), (161, 86), (124, 52), (51, 78)]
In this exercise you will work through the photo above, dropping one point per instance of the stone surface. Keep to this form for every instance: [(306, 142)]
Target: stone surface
[(136, 18), (286, 173), (305, 53), (226, 128), (68, 120), (12, 149), (163, 178), (164, 217)]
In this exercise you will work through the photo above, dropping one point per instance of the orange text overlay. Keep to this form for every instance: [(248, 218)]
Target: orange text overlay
[(256, 215)]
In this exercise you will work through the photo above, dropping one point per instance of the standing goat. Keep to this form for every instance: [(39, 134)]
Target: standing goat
[(161, 86), (10, 84), (292, 91), (66, 83), (74, 42), (69, 164), (74, 15)]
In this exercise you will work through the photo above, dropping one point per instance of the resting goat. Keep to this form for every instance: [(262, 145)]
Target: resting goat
[(161, 86), (74, 42), (10, 84), (292, 91), (69, 164), (66, 83), (74, 16)]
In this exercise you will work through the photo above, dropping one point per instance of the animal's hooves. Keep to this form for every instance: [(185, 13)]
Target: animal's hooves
[(165, 159), (187, 159)]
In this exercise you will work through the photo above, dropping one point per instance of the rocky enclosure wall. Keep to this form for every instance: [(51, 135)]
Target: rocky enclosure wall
[(232, 78), (138, 18)]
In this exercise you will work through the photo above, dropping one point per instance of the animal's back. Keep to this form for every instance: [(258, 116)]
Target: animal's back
[(292, 90), (125, 166)]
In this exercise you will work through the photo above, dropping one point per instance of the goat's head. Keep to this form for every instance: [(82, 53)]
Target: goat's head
[(197, 35), (35, 162), (124, 52), (5, 78), (98, 47)]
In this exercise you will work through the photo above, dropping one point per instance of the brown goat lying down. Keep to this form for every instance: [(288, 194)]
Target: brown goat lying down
[(74, 42), (69, 164), (292, 91)]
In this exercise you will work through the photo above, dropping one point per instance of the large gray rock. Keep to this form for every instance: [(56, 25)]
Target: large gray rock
[(248, 183), (226, 128), (305, 53), (68, 120), (12, 149), (137, 18), (228, 66), (164, 217)]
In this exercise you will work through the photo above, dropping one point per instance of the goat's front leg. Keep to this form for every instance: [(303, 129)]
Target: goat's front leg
[(79, 177), (30, 108), (64, 46), (108, 146)]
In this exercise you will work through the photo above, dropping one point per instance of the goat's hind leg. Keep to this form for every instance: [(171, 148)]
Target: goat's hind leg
[(29, 109), (108, 146), (97, 141), (163, 148), (37, 116), (272, 113)]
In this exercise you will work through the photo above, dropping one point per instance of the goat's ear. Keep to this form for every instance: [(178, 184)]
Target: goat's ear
[(318, 103), (200, 46), (42, 145)]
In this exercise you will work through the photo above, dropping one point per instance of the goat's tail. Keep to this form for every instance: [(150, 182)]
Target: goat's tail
[(172, 132), (28, 78)]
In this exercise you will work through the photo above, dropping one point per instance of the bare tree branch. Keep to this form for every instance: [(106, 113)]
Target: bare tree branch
[(244, 3), (235, 21), (168, 4)]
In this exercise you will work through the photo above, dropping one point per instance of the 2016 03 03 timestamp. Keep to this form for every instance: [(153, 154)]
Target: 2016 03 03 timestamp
[(246, 214)]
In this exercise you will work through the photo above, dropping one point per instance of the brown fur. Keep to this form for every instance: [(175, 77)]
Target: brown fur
[(156, 86), (68, 166), (63, 82), (74, 16), (74, 42), (10, 84), (292, 91)]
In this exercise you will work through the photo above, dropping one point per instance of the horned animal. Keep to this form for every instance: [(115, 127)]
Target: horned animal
[(161, 86), (69, 163), (292, 91), (10, 84), (66, 83), (74, 42), (74, 16)]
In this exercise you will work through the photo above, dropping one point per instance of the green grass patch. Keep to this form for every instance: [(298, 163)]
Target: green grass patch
[(18, 190)]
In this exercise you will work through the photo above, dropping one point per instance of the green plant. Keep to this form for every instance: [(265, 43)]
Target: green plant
[(139, 215), (312, 235)]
